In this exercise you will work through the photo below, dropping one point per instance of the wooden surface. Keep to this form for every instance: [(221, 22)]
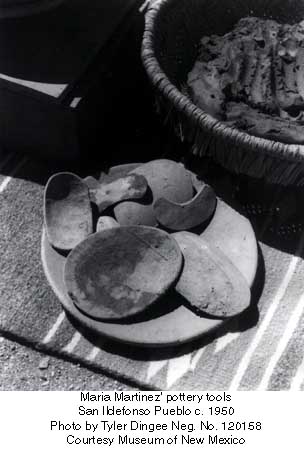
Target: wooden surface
[(52, 70), (57, 45)]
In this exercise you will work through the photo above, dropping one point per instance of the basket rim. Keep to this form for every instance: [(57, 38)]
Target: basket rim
[(275, 149)]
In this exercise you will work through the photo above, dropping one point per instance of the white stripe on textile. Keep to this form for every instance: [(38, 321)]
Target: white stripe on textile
[(51, 333), (267, 319), (283, 342), (8, 178), (73, 343)]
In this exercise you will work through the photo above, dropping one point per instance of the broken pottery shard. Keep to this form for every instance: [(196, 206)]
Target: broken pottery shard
[(112, 174), (167, 179), (121, 271), (91, 182), (67, 211), (209, 281), (130, 187), (183, 216), (106, 222), (241, 246), (116, 172)]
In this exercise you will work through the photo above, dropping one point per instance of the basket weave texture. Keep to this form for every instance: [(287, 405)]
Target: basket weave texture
[(169, 49)]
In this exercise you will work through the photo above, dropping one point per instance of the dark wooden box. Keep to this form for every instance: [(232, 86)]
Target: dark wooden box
[(53, 76)]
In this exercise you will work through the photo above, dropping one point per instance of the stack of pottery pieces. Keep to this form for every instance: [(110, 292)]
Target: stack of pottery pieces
[(147, 247)]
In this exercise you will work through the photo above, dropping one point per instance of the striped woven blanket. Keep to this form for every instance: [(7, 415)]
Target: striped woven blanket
[(261, 349)]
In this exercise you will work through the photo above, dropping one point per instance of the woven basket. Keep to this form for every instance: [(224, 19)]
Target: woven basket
[(173, 30)]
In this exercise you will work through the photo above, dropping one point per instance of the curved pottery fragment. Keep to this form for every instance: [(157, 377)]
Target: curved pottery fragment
[(67, 211), (183, 216), (106, 222), (209, 281)]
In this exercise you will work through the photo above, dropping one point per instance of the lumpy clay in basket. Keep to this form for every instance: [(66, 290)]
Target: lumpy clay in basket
[(252, 78)]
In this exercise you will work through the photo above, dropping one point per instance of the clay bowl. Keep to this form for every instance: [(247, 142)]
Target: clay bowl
[(119, 272)]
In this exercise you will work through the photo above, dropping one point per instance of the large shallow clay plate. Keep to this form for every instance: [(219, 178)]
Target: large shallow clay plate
[(228, 230)]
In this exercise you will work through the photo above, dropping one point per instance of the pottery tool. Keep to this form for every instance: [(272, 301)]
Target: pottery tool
[(209, 281), (105, 222), (67, 211), (184, 216), (130, 187), (120, 271)]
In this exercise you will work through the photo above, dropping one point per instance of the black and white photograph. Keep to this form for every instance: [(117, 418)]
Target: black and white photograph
[(151, 195)]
